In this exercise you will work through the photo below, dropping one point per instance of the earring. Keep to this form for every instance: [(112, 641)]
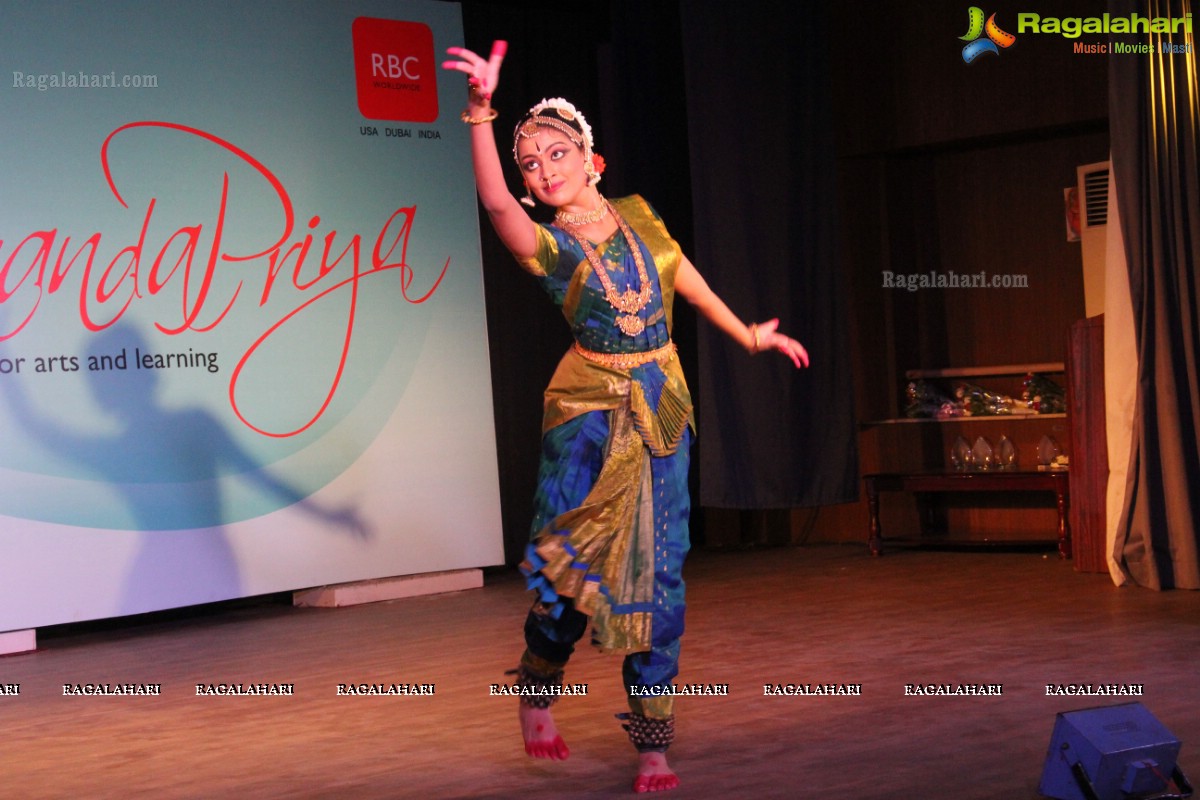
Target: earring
[(589, 169), (528, 200)]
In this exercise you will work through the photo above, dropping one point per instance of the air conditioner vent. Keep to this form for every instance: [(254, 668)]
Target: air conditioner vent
[(1092, 186), (1095, 197)]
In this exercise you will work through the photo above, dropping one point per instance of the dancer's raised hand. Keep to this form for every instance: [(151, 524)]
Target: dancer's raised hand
[(483, 75)]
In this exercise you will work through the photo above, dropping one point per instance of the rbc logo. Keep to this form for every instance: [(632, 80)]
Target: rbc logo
[(395, 67), (394, 70)]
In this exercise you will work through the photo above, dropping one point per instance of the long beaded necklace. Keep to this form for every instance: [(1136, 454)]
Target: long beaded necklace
[(628, 302)]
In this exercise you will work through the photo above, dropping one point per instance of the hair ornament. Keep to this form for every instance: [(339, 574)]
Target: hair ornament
[(561, 115)]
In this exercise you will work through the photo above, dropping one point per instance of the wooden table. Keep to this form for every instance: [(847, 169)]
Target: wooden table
[(1053, 481)]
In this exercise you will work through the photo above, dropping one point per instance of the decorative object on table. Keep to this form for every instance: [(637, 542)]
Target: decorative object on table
[(1006, 454), (926, 402), (961, 456), (925, 399), (1050, 455), (975, 401), (1043, 396), (985, 457), (1048, 449)]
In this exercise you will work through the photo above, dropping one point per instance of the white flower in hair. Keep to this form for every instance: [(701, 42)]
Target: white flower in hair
[(568, 112)]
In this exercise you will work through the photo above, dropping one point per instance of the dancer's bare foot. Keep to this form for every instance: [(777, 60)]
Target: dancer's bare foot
[(653, 774), (540, 733)]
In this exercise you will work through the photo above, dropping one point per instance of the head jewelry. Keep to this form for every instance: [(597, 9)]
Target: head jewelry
[(563, 117), (560, 115)]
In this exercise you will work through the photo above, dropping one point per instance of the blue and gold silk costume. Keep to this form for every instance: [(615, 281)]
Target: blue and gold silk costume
[(610, 528)]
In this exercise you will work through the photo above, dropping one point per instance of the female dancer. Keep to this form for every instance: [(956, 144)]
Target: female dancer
[(610, 525)]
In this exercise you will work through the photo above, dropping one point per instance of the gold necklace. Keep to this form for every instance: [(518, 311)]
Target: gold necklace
[(565, 218), (628, 302)]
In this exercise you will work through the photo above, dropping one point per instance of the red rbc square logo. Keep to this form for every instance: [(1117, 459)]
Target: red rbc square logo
[(394, 70)]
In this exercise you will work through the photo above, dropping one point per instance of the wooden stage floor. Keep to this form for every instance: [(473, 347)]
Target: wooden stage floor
[(810, 615)]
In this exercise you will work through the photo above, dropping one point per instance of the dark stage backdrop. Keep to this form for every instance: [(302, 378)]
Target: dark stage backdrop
[(750, 144), (763, 172)]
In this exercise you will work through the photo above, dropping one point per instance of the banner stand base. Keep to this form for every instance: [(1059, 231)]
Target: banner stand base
[(380, 589), (17, 642)]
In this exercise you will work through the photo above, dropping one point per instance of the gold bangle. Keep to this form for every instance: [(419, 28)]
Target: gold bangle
[(467, 118), (754, 333)]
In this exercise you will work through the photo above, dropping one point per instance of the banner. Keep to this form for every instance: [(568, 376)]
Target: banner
[(242, 335)]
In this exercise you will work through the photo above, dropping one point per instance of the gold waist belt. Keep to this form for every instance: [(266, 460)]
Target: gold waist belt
[(626, 360)]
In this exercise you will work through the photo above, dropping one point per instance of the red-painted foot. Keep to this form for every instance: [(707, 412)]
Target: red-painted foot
[(540, 734), (654, 775), (655, 783), (556, 749)]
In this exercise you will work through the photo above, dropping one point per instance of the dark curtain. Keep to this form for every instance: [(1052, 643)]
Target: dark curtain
[(623, 63), (1155, 127), (763, 185), (619, 62), (526, 333)]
